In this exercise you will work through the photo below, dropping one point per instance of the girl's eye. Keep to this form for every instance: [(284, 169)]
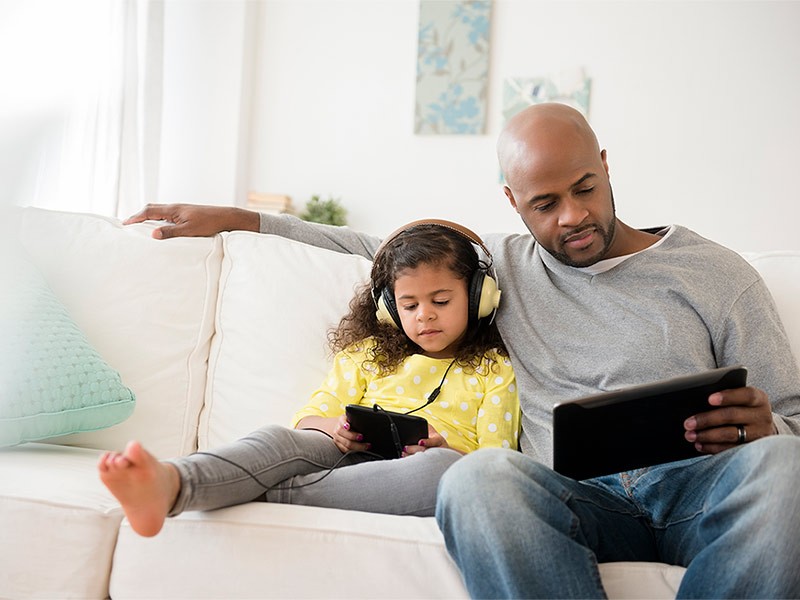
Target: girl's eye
[(409, 307), (441, 302)]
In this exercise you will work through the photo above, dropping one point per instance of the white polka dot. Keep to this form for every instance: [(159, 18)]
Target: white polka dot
[(433, 369), (406, 366), (479, 395), (506, 362), (507, 416), (492, 427), (323, 407), (399, 389), (373, 386), (498, 380), (342, 361), (474, 420), (458, 370), (473, 381), (444, 404), (428, 410), (464, 406), (455, 422), (417, 379), (352, 392), (495, 400), (348, 376), (331, 381), (481, 412), (512, 388), (506, 444), (444, 434)]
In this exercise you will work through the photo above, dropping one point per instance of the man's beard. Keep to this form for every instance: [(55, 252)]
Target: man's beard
[(607, 234)]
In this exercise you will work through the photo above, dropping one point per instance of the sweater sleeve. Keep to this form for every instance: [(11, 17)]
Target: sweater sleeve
[(338, 239), (754, 336)]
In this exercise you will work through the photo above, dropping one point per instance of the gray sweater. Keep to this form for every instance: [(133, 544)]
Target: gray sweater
[(679, 308)]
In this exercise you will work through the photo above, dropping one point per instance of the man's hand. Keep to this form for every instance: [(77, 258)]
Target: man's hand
[(718, 429), (189, 220)]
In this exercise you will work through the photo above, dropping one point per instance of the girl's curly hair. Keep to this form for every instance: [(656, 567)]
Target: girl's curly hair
[(425, 244)]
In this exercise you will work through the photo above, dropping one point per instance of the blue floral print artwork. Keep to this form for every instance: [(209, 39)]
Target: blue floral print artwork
[(452, 66)]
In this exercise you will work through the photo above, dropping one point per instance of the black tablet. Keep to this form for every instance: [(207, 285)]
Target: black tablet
[(634, 427), (387, 431)]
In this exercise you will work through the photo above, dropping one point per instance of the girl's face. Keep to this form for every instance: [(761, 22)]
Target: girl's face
[(432, 302)]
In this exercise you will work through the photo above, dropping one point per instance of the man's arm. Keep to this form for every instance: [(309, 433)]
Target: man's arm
[(189, 220)]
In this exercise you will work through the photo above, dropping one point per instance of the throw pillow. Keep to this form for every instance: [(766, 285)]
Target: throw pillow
[(52, 382)]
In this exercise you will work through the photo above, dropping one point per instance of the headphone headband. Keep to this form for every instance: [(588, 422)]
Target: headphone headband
[(458, 228)]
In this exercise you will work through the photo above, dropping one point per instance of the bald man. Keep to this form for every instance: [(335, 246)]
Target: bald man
[(591, 304)]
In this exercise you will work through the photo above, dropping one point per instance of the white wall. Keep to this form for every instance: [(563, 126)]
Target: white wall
[(207, 51), (696, 103)]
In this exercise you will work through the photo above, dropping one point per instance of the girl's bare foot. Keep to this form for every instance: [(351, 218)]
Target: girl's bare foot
[(145, 487)]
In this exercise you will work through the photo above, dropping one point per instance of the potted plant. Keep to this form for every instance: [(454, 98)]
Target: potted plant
[(329, 212)]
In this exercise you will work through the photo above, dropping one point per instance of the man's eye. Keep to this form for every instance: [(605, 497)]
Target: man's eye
[(585, 191), (544, 207)]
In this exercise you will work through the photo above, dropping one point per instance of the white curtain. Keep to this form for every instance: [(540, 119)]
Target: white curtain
[(81, 126)]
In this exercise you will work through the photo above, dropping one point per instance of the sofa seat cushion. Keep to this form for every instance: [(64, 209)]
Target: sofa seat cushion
[(284, 551), (55, 513)]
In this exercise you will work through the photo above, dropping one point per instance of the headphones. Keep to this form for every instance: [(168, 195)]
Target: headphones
[(482, 289)]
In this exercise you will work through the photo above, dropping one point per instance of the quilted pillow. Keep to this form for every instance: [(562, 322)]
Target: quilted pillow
[(52, 382)]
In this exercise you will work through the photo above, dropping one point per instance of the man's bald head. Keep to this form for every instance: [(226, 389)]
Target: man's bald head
[(541, 131)]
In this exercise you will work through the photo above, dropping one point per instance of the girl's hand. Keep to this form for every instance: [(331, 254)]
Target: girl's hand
[(346, 439), (434, 440), (339, 430)]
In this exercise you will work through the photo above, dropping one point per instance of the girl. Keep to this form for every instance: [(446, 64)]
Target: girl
[(431, 346)]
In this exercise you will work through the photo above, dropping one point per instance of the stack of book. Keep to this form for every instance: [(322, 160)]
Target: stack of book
[(270, 203)]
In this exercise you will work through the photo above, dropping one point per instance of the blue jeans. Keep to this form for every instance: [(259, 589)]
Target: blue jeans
[(517, 529)]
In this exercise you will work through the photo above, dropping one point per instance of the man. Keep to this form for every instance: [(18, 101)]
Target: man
[(591, 304)]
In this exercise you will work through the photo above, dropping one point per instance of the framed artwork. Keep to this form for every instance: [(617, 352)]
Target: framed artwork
[(452, 67)]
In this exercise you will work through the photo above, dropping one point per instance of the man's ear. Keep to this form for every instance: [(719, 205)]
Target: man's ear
[(510, 196), (604, 158)]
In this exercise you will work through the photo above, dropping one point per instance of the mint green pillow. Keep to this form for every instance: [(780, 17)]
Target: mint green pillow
[(52, 382)]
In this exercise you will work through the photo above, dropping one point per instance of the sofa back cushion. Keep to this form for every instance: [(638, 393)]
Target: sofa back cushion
[(145, 305), (277, 300)]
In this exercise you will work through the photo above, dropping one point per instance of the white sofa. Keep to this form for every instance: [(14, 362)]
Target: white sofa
[(216, 336)]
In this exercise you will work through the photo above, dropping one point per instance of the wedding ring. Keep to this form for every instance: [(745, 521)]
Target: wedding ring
[(742, 434)]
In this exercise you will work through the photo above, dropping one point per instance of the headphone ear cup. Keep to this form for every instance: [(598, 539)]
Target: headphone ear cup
[(484, 296), (387, 309)]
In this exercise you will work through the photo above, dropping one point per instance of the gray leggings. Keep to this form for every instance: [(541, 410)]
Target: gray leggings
[(287, 460)]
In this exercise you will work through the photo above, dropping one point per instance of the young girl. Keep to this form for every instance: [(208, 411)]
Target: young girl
[(431, 347)]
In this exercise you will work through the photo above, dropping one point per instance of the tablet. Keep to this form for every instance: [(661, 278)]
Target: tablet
[(634, 427), (387, 431)]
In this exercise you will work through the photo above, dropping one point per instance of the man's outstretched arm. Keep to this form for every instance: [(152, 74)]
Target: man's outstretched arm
[(189, 220)]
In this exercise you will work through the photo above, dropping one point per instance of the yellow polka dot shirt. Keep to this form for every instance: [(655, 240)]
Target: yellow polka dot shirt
[(478, 409)]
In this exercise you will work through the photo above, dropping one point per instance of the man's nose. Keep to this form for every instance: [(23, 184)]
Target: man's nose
[(572, 213)]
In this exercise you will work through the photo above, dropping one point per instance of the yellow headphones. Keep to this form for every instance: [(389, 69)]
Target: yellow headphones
[(484, 294)]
